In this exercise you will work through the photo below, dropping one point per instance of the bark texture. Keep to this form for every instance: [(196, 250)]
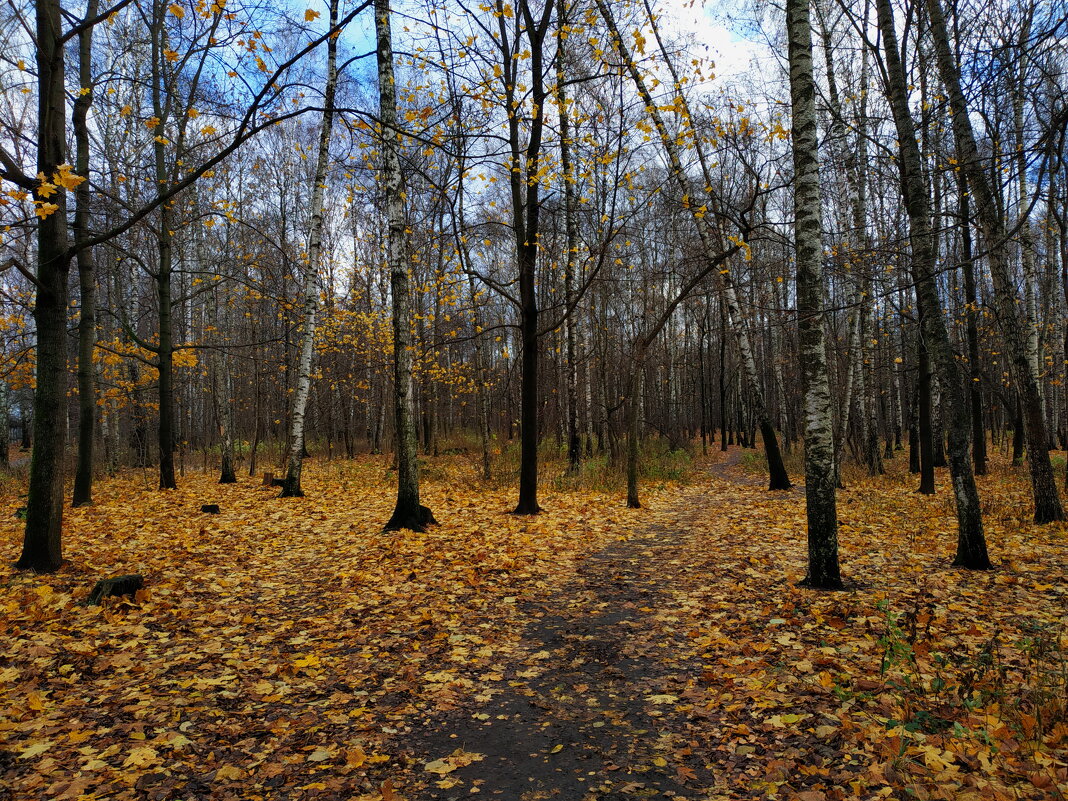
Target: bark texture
[(975, 390), (1043, 482), (83, 476), (408, 513), (971, 543), (820, 475), (295, 457), (524, 189), (574, 445), (165, 259), (42, 547)]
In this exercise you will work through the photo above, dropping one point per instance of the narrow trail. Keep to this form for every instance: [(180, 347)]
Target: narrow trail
[(603, 700), (588, 708), (684, 662), (729, 469)]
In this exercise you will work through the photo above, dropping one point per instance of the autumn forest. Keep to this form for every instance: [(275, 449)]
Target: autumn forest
[(546, 399)]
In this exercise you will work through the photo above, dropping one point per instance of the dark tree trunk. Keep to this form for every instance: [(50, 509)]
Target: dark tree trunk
[(25, 439), (926, 435), (256, 424), (165, 250), (914, 449), (938, 433), (408, 513), (528, 403), (83, 476), (227, 473), (1043, 483), (1018, 434), (971, 542), (5, 424), (165, 359), (778, 478), (702, 392), (724, 437), (526, 212), (574, 443), (634, 405), (42, 547), (975, 387)]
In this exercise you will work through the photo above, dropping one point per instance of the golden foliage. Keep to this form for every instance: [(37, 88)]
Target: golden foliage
[(289, 647)]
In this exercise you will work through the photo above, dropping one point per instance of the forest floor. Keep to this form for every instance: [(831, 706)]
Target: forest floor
[(288, 649)]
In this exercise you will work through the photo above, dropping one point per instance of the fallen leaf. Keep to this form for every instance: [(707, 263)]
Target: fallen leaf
[(141, 756), (36, 749), (662, 699)]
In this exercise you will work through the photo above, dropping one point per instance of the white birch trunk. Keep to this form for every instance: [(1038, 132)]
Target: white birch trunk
[(971, 542), (820, 474), (294, 461)]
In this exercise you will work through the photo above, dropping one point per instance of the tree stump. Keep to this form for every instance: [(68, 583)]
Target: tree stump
[(119, 585), (270, 481)]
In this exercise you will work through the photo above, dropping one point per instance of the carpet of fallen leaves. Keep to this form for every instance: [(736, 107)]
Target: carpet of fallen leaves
[(289, 649)]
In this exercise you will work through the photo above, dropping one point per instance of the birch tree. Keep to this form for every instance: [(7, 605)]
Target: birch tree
[(820, 474), (295, 458)]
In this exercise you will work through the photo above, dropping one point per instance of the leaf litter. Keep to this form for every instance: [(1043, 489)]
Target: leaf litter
[(291, 649)]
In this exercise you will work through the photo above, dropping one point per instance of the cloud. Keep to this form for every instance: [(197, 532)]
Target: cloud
[(732, 53)]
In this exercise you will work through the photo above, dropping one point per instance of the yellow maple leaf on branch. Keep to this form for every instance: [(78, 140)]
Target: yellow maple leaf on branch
[(65, 177), (44, 210)]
